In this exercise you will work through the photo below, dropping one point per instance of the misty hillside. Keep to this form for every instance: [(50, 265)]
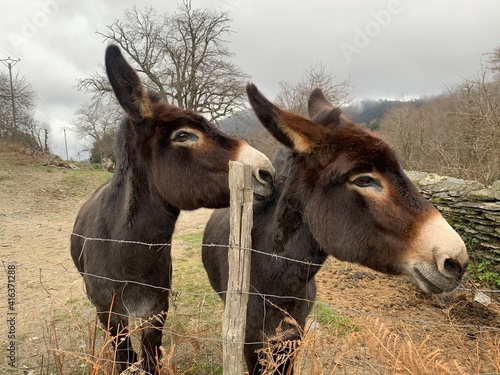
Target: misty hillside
[(245, 124), (366, 111), (242, 123)]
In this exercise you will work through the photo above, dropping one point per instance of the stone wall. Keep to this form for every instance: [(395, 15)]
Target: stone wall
[(469, 206)]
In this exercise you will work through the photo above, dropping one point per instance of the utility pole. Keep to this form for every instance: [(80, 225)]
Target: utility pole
[(65, 143), (9, 63)]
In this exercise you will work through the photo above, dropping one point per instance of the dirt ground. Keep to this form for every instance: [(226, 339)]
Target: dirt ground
[(37, 210)]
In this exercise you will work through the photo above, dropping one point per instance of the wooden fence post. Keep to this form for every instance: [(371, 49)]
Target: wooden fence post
[(240, 242)]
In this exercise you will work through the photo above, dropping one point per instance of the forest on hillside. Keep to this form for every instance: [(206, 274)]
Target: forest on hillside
[(457, 134)]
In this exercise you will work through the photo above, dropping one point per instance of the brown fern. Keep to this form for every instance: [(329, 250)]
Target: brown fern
[(492, 345), (400, 355)]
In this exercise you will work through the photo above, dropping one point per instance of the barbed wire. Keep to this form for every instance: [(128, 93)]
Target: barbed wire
[(343, 310), (58, 305), (176, 292), (160, 244)]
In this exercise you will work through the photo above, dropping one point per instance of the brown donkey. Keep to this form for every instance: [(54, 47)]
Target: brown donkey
[(167, 160), (340, 191)]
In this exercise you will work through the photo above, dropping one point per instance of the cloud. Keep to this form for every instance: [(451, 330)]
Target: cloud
[(418, 47)]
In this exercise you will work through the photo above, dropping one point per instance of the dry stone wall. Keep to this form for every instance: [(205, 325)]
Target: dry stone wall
[(469, 206)]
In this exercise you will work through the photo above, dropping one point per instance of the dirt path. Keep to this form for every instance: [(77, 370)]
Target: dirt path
[(39, 206)]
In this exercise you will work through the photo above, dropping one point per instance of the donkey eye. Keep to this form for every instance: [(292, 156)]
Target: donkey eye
[(183, 136), (366, 181)]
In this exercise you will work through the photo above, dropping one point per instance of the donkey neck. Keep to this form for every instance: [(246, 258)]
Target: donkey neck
[(144, 212), (291, 237)]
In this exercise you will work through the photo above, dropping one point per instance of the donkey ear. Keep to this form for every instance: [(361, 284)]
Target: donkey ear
[(318, 102), (127, 85), (292, 130), (322, 112)]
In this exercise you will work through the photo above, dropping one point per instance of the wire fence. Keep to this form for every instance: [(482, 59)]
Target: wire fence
[(55, 328)]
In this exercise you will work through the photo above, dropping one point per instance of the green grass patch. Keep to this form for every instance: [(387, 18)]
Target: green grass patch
[(331, 320), (83, 182), (6, 177), (485, 272), (190, 279), (192, 240), (96, 166), (195, 311), (191, 243)]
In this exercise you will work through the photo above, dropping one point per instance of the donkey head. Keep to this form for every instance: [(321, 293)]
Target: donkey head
[(352, 193), (178, 153)]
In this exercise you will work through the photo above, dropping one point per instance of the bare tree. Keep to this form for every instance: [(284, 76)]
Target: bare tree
[(97, 85), (97, 121), (493, 61), (24, 99), (35, 134), (399, 129), (27, 129), (183, 55), (477, 110), (293, 97), (457, 134)]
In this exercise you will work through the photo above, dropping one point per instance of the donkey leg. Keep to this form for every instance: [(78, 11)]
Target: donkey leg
[(277, 359), (280, 363), (252, 359), (151, 342), (117, 326), (284, 357)]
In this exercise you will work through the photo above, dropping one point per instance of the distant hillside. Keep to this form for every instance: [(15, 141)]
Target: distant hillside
[(242, 123), (245, 125), (367, 111)]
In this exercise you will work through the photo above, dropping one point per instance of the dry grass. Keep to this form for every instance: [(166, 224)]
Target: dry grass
[(330, 344), (400, 354)]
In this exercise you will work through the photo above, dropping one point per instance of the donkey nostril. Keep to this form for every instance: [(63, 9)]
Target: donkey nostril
[(266, 176), (453, 267)]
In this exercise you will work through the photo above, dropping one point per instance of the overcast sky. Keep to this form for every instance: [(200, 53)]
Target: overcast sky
[(390, 49)]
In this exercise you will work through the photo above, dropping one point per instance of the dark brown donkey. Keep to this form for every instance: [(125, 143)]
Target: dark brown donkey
[(167, 160), (340, 191)]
